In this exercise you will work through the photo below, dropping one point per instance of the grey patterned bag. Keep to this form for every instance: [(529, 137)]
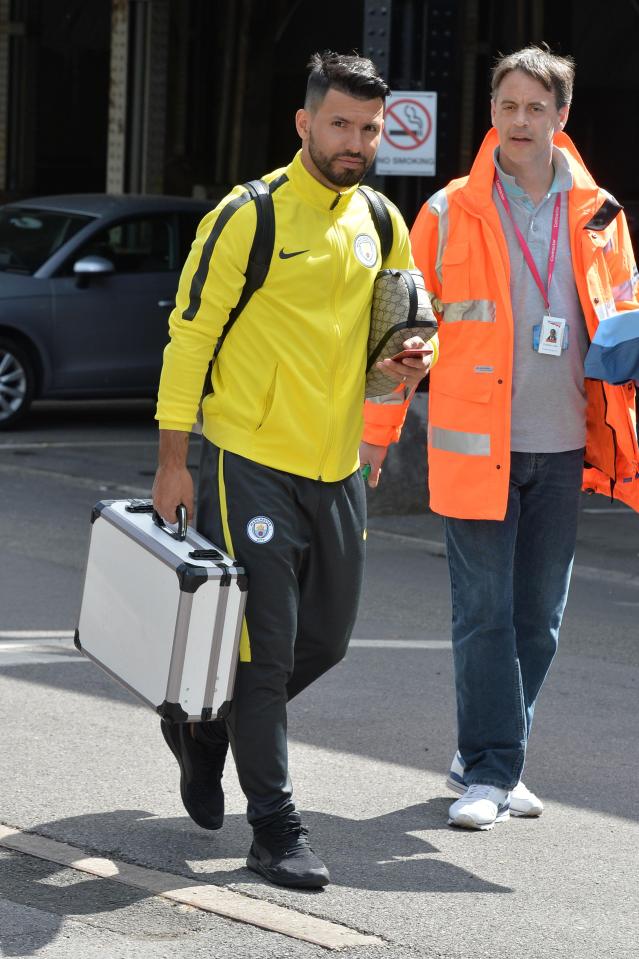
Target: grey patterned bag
[(400, 309)]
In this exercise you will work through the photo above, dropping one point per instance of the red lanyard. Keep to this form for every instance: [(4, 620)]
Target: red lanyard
[(554, 237)]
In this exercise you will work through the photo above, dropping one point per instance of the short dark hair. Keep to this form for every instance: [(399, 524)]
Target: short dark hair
[(349, 73), (554, 72)]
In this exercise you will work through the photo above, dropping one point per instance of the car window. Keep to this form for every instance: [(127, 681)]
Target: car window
[(140, 245), (28, 236)]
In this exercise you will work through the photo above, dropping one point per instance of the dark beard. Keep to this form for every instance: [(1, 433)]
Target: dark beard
[(325, 165)]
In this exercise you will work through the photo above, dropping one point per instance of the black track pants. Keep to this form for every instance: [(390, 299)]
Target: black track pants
[(301, 542)]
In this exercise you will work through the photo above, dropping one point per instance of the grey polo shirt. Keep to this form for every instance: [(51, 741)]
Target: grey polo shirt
[(548, 393)]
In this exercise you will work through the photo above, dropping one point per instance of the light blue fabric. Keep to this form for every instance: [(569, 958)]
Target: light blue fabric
[(618, 329), (562, 179), (615, 365), (613, 355)]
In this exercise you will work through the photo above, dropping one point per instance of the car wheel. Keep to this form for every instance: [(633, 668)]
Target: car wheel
[(16, 383)]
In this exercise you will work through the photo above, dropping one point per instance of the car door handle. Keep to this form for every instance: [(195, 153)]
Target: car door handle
[(166, 302)]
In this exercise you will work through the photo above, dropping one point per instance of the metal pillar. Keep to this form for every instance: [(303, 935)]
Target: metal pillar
[(240, 69), (4, 90), (116, 142), (537, 21), (226, 96), (377, 47), (377, 34), (180, 83), (137, 104), (469, 86), (148, 96), (136, 97), (23, 80)]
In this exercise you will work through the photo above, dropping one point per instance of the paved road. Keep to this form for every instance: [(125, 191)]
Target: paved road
[(84, 765)]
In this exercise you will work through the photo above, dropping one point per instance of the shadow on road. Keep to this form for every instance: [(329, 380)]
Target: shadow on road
[(417, 732), (373, 854)]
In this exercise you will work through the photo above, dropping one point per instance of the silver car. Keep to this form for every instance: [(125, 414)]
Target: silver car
[(86, 287)]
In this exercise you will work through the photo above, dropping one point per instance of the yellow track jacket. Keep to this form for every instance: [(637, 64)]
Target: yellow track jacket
[(288, 383)]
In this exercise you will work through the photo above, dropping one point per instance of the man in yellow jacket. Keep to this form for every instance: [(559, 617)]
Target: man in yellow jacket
[(280, 487), (524, 258)]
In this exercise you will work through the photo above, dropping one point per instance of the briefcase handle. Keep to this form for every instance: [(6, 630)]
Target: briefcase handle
[(180, 533)]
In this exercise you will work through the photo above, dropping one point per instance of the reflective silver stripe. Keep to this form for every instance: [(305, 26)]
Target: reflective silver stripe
[(623, 291), (438, 204), (388, 399), (454, 441), (483, 311)]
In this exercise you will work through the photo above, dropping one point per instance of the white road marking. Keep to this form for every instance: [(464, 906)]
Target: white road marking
[(37, 647), (26, 653), (18, 640), (208, 898), (45, 646)]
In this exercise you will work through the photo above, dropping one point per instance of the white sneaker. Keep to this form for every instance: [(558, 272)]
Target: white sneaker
[(525, 803), (522, 801), (480, 807)]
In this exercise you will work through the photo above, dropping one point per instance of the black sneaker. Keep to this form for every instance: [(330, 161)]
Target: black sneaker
[(201, 757), (280, 852)]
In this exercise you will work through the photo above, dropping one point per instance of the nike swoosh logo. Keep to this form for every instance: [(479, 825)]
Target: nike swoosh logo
[(287, 256)]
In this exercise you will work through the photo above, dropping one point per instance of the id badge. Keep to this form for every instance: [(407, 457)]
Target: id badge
[(550, 337)]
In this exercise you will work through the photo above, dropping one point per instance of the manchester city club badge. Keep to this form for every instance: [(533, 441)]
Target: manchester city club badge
[(260, 529), (365, 250)]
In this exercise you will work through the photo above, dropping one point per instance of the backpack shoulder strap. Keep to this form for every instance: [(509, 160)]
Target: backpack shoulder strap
[(259, 259), (381, 218), (262, 247)]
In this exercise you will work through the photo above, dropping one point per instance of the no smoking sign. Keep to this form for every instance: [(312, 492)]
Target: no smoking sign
[(409, 139)]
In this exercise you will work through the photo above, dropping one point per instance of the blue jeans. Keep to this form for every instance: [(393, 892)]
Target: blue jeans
[(509, 585)]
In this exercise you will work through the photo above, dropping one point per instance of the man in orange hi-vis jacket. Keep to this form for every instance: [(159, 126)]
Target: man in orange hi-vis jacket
[(524, 259)]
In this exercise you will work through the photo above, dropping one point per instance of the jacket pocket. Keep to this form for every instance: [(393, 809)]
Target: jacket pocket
[(463, 383), (460, 405), (456, 272), (268, 401)]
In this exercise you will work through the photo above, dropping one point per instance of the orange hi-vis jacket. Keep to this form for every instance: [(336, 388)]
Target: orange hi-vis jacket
[(459, 245)]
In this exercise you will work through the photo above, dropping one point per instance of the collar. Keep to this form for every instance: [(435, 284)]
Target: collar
[(562, 179), (477, 186), (475, 192), (314, 192)]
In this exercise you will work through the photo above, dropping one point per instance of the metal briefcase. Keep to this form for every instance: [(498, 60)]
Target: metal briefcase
[(161, 615)]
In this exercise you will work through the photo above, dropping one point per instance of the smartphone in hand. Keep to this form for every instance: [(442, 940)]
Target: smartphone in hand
[(412, 354)]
